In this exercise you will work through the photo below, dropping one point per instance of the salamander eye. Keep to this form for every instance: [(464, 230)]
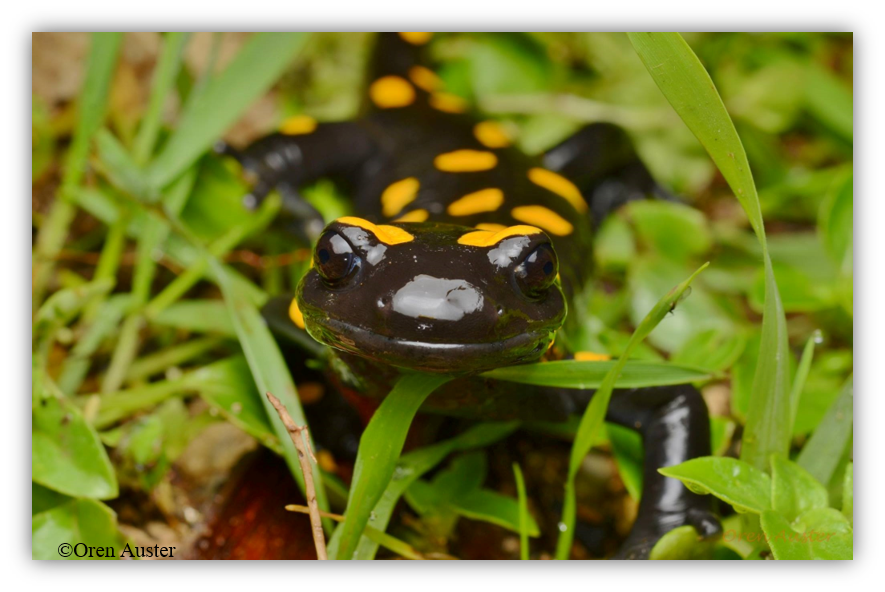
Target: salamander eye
[(333, 257), (537, 271)]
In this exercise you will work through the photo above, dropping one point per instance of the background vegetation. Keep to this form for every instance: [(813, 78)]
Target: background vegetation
[(149, 352)]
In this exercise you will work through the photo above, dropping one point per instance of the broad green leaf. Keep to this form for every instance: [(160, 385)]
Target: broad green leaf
[(817, 534), (848, 493), (43, 498), (590, 375), (716, 349), (269, 371), (66, 453), (613, 246), (492, 507), (594, 415), (79, 523), (821, 454), (687, 86), (734, 481), (412, 466), (380, 447), (678, 231), (253, 70), (681, 543), (228, 387), (794, 490)]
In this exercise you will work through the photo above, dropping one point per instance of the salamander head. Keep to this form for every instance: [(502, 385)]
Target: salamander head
[(433, 297)]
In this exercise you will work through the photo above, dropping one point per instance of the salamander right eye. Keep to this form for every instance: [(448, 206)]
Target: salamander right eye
[(333, 258)]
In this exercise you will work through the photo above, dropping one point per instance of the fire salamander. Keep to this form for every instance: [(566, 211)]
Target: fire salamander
[(463, 256)]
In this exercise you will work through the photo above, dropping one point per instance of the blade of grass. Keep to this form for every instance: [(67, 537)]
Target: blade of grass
[(412, 466), (164, 77), (93, 100), (802, 376), (380, 447), (589, 375), (523, 513), (158, 362), (594, 416), (255, 68), (687, 86), (821, 454), (270, 373)]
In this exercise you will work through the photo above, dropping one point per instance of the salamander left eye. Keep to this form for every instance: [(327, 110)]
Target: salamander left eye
[(333, 258), (537, 271)]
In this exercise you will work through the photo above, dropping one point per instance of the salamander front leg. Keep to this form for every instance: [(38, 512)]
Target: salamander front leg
[(675, 427), (301, 153)]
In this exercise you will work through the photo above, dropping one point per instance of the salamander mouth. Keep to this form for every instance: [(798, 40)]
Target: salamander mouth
[(458, 358)]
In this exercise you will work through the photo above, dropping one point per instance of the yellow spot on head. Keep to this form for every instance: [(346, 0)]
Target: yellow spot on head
[(414, 216), (295, 314), (586, 356), (298, 125), (543, 217), (425, 78), (389, 92), (465, 161), (484, 200), (491, 227), (416, 38), (448, 102), (389, 235), (558, 185), (398, 195), (486, 238), (491, 134)]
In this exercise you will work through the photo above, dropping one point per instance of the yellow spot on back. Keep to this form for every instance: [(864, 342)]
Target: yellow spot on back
[(389, 92), (416, 38), (543, 217), (425, 78), (298, 125), (491, 227), (398, 195), (414, 216), (558, 185), (491, 134), (484, 200), (448, 102), (389, 235), (586, 356), (295, 314), (465, 161), (486, 238)]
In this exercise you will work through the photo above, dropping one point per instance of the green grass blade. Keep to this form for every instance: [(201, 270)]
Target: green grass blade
[(821, 454), (255, 68), (589, 375), (93, 100), (380, 447), (801, 376), (594, 416), (412, 466), (690, 90), (164, 78), (269, 371), (523, 513)]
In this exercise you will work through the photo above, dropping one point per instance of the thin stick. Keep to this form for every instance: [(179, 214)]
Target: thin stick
[(301, 438)]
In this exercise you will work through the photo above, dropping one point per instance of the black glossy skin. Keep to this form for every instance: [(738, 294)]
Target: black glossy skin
[(433, 304)]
